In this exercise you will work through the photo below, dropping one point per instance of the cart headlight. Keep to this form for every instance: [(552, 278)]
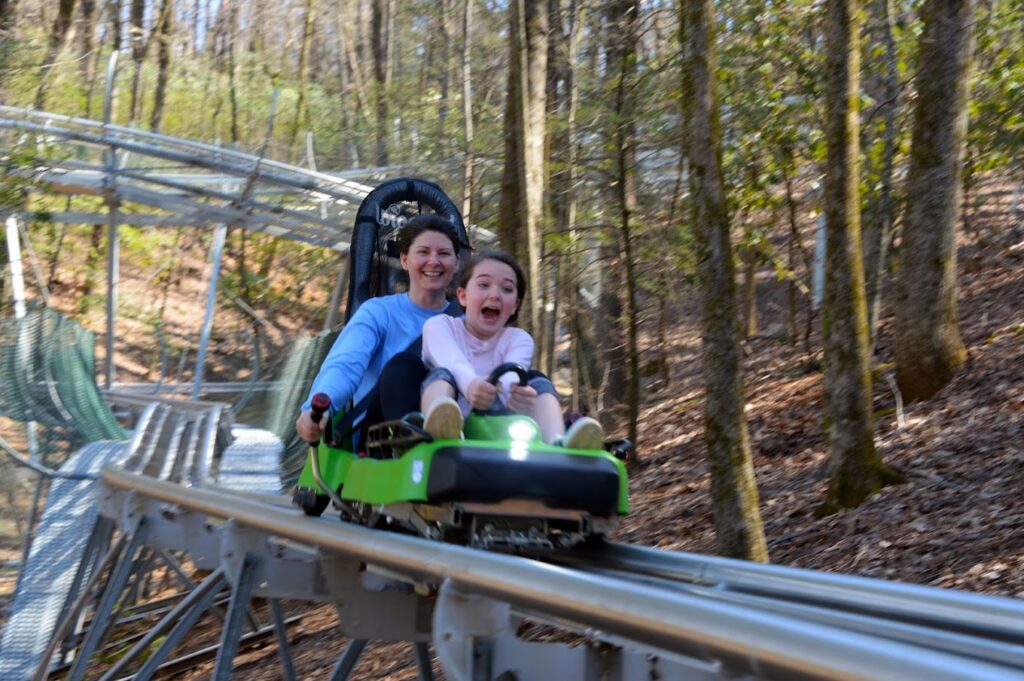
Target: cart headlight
[(522, 431)]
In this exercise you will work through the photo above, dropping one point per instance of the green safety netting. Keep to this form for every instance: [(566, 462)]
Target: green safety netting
[(47, 375), (290, 391)]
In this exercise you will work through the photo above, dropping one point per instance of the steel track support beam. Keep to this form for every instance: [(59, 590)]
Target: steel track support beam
[(211, 304), (238, 609), (94, 553), (65, 624), (113, 243), (113, 278), (175, 567), (423, 667), (134, 590), (284, 650), (111, 594), (348, 660), (463, 626), (181, 617)]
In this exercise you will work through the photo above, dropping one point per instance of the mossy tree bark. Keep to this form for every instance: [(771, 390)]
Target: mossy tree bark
[(856, 470), (929, 350), (734, 492)]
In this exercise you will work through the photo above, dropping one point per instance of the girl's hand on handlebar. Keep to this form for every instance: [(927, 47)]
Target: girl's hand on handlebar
[(481, 394), (309, 430), (521, 399)]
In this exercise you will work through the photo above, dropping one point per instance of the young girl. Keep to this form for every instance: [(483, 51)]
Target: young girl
[(461, 352)]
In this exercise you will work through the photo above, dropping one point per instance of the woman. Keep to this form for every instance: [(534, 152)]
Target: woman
[(367, 364)]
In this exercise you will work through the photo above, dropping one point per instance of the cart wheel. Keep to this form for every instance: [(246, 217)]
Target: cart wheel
[(311, 503)]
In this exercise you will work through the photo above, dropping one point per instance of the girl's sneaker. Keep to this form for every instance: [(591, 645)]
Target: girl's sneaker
[(444, 419), (584, 433)]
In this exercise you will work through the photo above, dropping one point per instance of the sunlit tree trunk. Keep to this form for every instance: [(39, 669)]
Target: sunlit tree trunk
[(929, 350), (856, 470), (522, 195), (733, 490)]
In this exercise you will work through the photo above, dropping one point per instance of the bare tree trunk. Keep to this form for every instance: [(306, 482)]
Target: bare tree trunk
[(563, 103), (613, 379), (623, 22), (114, 15), (65, 12), (523, 176), (856, 470), (8, 9), (86, 33), (793, 249), (353, 62), (928, 346), (733, 488), (878, 231), (301, 115), (749, 258), (382, 10), (7, 15), (163, 38), (139, 42), (231, 49), (445, 11), (92, 259)]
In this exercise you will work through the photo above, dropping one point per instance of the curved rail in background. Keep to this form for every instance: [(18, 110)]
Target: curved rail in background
[(734, 636), (300, 204)]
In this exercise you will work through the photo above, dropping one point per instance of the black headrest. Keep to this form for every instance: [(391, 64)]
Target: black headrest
[(374, 268)]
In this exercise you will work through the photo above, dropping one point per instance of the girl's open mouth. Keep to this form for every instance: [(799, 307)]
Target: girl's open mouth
[(490, 314)]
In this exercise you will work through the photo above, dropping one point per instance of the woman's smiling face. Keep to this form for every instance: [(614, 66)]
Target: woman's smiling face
[(490, 298), (431, 263)]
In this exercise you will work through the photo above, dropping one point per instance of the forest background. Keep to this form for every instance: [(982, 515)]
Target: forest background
[(666, 170)]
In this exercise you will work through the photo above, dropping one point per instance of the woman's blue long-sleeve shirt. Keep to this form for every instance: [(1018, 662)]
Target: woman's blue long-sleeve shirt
[(381, 328)]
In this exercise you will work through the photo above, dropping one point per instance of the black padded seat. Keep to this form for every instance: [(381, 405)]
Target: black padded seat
[(558, 479)]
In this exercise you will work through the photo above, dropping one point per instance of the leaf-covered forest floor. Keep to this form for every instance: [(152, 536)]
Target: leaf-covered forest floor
[(958, 522)]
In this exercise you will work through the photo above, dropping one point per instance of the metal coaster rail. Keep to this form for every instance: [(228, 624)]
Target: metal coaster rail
[(300, 204), (695, 626)]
